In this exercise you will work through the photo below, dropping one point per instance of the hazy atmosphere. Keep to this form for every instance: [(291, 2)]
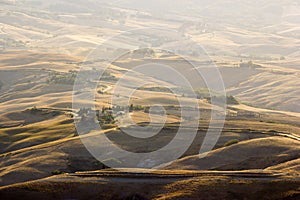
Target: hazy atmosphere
[(140, 100)]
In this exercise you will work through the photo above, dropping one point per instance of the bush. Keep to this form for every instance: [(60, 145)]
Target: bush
[(136, 108), (108, 126), (231, 142), (62, 78), (156, 89), (232, 100), (55, 113), (57, 172), (106, 118), (34, 109)]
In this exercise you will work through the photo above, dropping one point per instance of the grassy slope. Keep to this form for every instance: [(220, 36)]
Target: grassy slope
[(250, 154), (205, 187)]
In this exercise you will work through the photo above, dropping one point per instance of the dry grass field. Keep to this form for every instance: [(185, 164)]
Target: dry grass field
[(47, 47)]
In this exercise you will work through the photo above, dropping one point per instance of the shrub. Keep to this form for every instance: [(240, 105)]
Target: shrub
[(231, 142), (136, 108), (34, 109), (62, 78), (57, 172), (56, 113), (156, 89), (232, 100), (106, 118), (108, 126)]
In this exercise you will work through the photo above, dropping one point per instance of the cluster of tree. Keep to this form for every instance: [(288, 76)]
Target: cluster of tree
[(45, 111), (249, 64), (154, 110), (107, 76), (136, 108), (105, 116), (62, 78), (156, 89), (204, 93), (261, 57), (8, 42), (84, 77), (144, 52), (231, 100)]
